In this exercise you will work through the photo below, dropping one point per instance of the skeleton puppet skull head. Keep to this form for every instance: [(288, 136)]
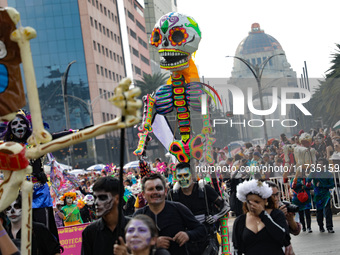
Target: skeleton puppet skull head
[(176, 36), (89, 199), (19, 127)]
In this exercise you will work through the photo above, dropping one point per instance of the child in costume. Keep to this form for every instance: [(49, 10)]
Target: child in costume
[(70, 211)]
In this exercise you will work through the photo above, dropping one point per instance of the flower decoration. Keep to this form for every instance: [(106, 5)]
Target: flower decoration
[(177, 36), (71, 194), (161, 167), (156, 37), (257, 187), (80, 203)]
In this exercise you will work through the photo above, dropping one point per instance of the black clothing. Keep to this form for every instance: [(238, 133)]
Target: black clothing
[(99, 239), (43, 242), (328, 215), (87, 213), (46, 216), (174, 218), (302, 214), (130, 206), (268, 241), (196, 200)]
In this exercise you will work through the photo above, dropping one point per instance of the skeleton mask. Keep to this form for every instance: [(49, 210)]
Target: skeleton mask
[(176, 36), (13, 212), (19, 127), (184, 177), (104, 202), (89, 200)]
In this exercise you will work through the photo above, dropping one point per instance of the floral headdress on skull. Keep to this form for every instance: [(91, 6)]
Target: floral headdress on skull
[(257, 187)]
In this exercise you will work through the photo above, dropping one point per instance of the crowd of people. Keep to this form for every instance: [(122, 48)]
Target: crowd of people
[(175, 210)]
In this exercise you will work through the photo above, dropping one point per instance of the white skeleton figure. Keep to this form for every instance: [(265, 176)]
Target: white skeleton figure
[(19, 127), (89, 199)]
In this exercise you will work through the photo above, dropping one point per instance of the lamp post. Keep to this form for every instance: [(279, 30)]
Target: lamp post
[(67, 114), (257, 71)]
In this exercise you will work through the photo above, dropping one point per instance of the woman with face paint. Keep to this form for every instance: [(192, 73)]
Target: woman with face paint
[(7, 247), (141, 236)]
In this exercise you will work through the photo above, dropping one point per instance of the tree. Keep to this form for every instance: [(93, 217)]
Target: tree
[(325, 101), (150, 83)]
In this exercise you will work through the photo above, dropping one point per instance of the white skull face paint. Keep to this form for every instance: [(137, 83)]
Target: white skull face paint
[(103, 201), (138, 235), (184, 177), (13, 212), (176, 36), (69, 200), (18, 127), (89, 199)]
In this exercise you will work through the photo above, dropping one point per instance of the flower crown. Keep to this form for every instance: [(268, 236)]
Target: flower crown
[(257, 187), (71, 194)]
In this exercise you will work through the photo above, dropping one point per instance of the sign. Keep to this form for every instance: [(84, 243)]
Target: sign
[(70, 238)]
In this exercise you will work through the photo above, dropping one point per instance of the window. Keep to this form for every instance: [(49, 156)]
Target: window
[(142, 42), (100, 93), (138, 70), (108, 32), (97, 69), (144, 59), (113, 76), (135, 52), (110, 75), (105, 11), (104, 30), (97, 4), (120, 77), (112, 16), (108, 117), (133, 34), (130, 15), (101, 8), (141, 27), (259, 61), (115, 38), (117, 77), (95, 24), (253, 61), (117, 58), (108, 13), (107, 52), (93, 2), (98, 47), (118, 39), (114, 56), (103, 50), (116, 19), (121, 60), (110, 54), (94, 45), (91, 21), (105, 72), (103, 115), (100, 27)]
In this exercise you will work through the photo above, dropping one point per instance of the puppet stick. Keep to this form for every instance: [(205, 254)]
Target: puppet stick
[(22, 37), (26, 223), (74, 138)]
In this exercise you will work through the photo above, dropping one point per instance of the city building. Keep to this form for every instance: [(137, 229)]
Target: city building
[(82, 41), (257, 49)]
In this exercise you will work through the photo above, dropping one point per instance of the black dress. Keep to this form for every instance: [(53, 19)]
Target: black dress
[(268, 241)]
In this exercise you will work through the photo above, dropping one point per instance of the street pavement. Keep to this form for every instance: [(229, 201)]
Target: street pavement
[(313, 243)]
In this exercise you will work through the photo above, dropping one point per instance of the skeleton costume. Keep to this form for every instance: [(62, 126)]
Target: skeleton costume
[(74, 218)]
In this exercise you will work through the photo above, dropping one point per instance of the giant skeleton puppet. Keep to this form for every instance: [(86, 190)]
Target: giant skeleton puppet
[(14, 155), (176, 36)]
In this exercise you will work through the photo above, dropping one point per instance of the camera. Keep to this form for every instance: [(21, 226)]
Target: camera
[(290, 207)]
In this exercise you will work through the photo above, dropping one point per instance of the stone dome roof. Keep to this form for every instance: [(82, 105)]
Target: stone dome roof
[(257, 41)]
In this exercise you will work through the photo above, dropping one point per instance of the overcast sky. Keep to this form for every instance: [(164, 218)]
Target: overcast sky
[(306, 29)]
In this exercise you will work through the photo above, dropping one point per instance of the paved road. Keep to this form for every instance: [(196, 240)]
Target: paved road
[(313, 243)]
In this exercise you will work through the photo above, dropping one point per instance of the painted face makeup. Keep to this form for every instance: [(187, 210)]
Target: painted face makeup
[(138, 236), (154, 191), (184, 177), (69, 200), (18, 127), (103, 201), (13, 212)]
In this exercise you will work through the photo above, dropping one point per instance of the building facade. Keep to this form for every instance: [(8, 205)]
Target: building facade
[(86, 33)]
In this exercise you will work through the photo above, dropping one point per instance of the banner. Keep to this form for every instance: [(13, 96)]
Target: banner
[(70, 238)]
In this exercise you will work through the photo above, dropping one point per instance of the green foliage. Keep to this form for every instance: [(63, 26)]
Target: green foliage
[(150, 83)]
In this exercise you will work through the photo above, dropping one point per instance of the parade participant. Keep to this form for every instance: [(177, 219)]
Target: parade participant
[(70, 212), (19, 130), (100, 236), (262, 229), (323, 181), (43, 242), (176, 224), (302, 198), (7, 247), (294, 227), (196, 196), (88, 212), (58, 216), (141, 236)]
